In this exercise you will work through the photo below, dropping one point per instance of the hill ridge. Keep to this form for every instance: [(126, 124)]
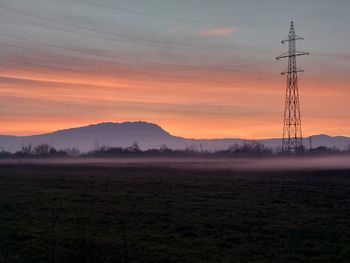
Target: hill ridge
[(147, 134)]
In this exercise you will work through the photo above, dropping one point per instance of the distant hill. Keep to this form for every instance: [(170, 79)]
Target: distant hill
[(147, 135)]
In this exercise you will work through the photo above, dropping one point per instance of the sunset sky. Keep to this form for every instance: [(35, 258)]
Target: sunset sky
[(198, 68)]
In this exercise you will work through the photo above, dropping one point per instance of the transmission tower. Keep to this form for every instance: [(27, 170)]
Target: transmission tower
[(292, 134)]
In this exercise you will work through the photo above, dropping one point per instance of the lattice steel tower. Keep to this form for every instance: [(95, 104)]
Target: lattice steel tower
[(292, 134)]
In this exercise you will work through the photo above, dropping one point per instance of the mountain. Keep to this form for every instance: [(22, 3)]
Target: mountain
[(147, 135), (86, 138)]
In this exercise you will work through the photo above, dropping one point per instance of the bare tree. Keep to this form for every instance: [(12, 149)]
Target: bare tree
[(27, 149), (134, 148), (42, 149)]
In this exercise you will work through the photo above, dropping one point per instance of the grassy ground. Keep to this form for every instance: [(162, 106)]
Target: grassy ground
[(73, 213)]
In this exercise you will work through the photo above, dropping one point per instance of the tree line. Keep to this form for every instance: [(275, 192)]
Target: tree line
[(245, 149)]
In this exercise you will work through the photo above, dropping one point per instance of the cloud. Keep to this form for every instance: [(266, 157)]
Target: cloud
[(217, 32)]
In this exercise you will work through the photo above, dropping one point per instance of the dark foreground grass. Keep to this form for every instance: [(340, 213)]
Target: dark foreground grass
[(74, 213)]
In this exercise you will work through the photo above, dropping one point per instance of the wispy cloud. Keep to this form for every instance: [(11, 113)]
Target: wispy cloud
[(218, 32)]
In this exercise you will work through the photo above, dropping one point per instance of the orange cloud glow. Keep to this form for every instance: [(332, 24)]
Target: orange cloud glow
[(218, 32)]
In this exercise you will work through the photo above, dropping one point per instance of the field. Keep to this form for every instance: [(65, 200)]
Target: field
[(137, 213)]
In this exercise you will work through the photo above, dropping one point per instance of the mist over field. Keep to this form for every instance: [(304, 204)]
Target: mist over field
[(210, 163)]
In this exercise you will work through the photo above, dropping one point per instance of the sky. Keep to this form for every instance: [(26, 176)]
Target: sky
[(198, 68)]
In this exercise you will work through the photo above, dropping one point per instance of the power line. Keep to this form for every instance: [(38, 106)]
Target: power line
[(68, 70), (50, 27), (169, 17), (21, 62), (311, 45), (117, 40), (133, 38), (194, 67), (171, 65)]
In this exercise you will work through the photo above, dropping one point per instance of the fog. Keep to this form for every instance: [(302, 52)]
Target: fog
[(275, 163)]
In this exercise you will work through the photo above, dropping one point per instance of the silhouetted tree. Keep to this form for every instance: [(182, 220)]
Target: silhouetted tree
[(191, 149), (42, 149), (4, 154), (74, 152), (324, 150), (163, 148), (26, 149), (134, 148)]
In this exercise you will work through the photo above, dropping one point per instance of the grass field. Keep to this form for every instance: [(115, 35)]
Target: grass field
[(83, 213)]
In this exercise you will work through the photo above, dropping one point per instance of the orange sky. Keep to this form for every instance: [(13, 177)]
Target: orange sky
[(207, 105), (66, 64)]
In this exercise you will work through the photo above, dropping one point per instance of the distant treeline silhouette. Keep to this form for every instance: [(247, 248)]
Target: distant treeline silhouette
[(246, 149)]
